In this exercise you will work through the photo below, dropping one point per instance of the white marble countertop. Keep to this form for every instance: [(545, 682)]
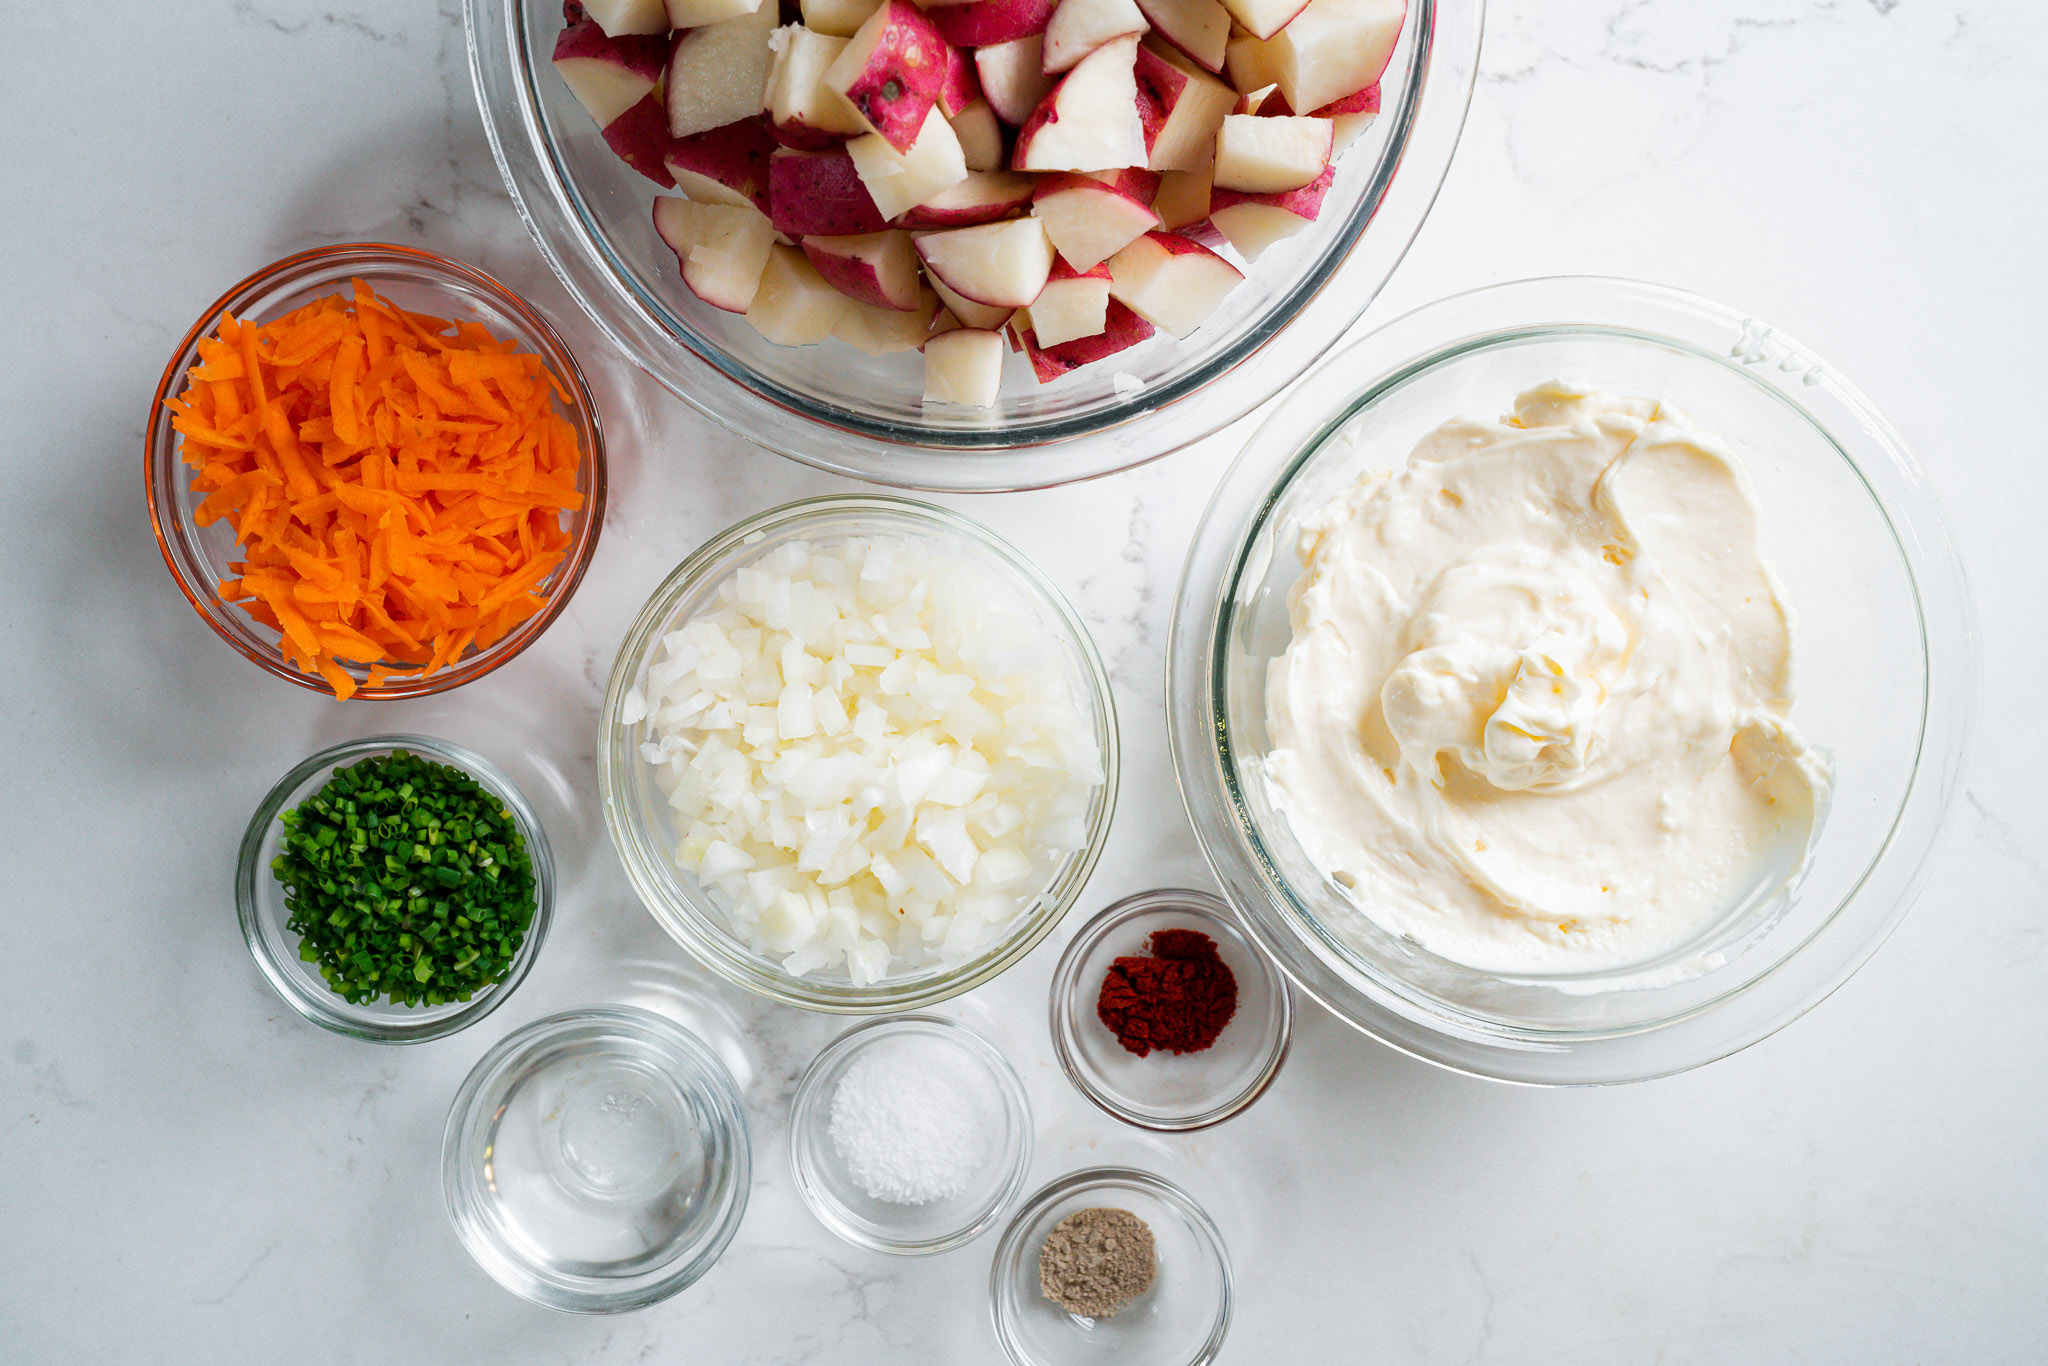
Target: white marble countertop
[(193, 1174)]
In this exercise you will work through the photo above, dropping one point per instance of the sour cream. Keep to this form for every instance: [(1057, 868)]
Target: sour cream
[(1535, 711)]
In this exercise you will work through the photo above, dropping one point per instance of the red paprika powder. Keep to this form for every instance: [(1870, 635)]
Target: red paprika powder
[(1177, 997)]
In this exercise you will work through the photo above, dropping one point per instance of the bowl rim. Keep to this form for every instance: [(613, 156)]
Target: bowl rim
[(1437, 333), (503, 68), (160, 463), (809, 1107), (1067, 990), (330, 1011), (726, 956), (566, 1292), (1111, 1178)]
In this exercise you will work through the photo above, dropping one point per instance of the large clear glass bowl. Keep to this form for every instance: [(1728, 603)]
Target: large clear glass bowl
[(641, 823), (202, 558), (1883, 657), (837, 408)]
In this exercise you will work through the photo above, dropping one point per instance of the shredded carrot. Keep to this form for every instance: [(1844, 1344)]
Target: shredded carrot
[(398, 482)]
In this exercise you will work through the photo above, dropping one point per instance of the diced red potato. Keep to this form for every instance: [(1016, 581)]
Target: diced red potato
[(877, 268), (1072, 304), (718, 73), (964, 366), (1135, 181), (892, 71), (886, 331), (1261, 155), (899, 181), (1333, 48), (961, 86), (793, 305), (1013, 78), (1137, 155), (1087, 220), (1249, 64), (1253, 222), (1180, 109), (697, 13), (1122, 329), (628, 18), (990, 23), (1264, 18), (981, 136), (820, 193), (838, 18), (1183, 199), (609, 75), (1198, 28), (988, 317), (639, 137), (1078, 27), (1002, 265), (1171, 281), (727, 165), (803, 111), (722, 250), (1090, 120), (980, 197), (1352, 115)]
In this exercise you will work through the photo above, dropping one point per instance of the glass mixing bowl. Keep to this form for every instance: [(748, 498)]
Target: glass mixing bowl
[(1179, 1321), (266, 918), (1883, 655), (839, 409), (202, 558), (597, 1161), (638, 815), (829, 1186)]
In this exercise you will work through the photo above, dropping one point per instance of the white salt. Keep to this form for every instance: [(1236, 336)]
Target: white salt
[(913, 1120)]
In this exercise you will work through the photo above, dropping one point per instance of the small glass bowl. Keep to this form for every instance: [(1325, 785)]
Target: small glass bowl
[(1180, 1321), (639, 818), (1884, 659), (260, 900), (839, 409), (1170, 1092), (906, 1230), (421, 281), (597, 1160)]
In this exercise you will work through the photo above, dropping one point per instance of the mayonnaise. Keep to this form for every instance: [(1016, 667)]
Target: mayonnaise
[(1534, 714)]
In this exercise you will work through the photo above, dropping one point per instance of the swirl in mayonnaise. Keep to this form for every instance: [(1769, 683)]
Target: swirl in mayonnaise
[(1534, 714)]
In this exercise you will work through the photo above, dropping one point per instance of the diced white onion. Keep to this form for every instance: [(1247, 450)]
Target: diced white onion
[(875, 757)]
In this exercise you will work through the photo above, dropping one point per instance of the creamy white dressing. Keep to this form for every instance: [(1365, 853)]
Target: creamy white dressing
[(1534, 714)]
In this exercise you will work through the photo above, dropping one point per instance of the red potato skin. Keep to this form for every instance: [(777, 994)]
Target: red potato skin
[(735, 155), (852, 276), (991, 21), (1204, 234), (1304, 202), (961, 87), (799, 136), (641, 139), (967, 215), (1133, 182), (1124, 329), (819, 194), (644, 54), (1062, 271), (904, 76), (1366, 101)]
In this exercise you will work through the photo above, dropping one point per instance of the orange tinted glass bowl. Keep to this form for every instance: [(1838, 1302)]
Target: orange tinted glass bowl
[(423, 282)]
